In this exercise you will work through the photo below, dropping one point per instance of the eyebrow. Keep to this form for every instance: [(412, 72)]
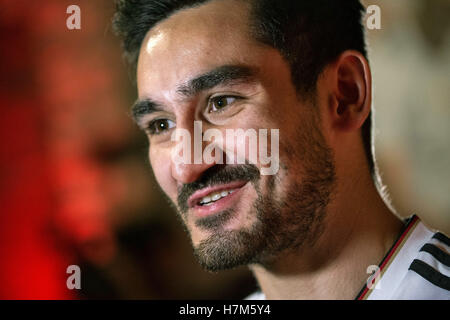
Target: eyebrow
[(220, 76), (224, 75), (144, 107)]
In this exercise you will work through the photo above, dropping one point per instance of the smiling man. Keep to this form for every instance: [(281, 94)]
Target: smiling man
[(312, 228)]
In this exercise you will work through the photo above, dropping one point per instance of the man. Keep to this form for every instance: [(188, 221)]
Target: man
[(315, 227)]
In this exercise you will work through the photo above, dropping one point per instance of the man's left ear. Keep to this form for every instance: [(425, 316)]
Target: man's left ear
[(351, 88)]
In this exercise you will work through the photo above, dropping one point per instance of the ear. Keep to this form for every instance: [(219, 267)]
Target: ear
[(351, 90)]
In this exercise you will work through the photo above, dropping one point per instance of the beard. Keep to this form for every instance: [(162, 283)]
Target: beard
[(283, 224)]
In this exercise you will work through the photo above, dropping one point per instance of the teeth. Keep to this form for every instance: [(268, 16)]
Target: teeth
[(215, 196)]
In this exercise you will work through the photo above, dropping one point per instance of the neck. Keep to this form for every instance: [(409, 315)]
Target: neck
[(359, 230)]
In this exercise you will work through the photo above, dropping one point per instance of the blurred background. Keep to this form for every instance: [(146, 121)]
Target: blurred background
[(75, 184)]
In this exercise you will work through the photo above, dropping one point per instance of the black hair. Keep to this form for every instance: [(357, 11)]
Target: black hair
[(308, 33)]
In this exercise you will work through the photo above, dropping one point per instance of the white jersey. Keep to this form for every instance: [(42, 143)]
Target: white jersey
[(417, 267)]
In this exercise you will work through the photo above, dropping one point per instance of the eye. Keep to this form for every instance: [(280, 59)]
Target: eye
[(160, 126), (221, 102)]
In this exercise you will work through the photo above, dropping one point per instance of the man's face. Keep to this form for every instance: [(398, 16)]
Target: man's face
[(202, 64)]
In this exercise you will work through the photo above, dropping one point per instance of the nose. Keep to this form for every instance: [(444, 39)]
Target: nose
[(188, 173), (187, 161)]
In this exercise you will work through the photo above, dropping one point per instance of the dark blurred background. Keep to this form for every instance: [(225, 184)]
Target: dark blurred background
[(75, 184)]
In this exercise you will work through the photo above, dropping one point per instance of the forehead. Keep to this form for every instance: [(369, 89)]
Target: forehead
[(196, 40)]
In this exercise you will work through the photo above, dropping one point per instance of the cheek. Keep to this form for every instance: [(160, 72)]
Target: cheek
[(161, 166)]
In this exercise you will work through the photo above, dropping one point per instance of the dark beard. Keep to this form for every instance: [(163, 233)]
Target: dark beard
[(282, 225)]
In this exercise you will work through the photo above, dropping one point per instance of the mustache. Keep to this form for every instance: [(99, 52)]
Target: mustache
[(219, 174)]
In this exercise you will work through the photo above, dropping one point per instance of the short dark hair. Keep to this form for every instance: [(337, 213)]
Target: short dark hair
[(309, 34)]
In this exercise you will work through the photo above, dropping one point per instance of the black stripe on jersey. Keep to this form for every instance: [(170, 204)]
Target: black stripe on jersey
[(429, 273), (442, 238), (440, 255)]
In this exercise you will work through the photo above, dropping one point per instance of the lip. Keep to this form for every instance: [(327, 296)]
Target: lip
[(198, 195), (218, 206)]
